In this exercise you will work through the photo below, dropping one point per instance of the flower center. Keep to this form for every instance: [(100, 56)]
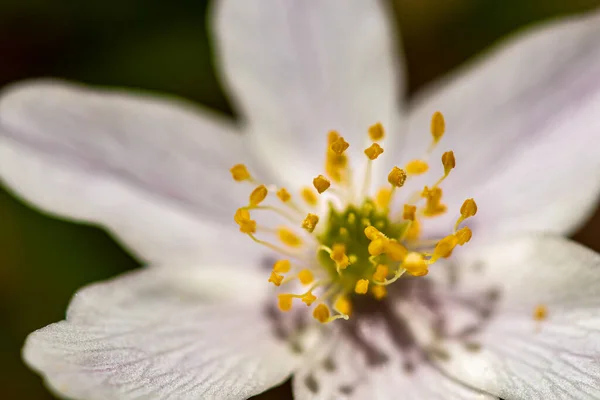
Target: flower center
[(355, 248)]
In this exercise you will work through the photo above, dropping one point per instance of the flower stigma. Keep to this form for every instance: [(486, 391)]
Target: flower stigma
[(336, 254)]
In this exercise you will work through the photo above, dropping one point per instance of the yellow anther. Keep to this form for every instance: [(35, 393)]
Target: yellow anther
[(248, 227), (415, 265), (284, 195), (321, 183), (438, 126), (310, 222), (321, 313), (239, 172), (306, 277), (373, 151), (282, 266), (395, 251), (448, 161), (463, 235), (309, 196), (381, 273), (414, 231), (275, 278), (409, 212), (382, 199), (377, 246), (376, 132), (362, 286), (308, 298), (433, 206), (258, 195), (343, 305), (338, 255), (241, 215), (468, 209), (444, 247), (372, 233), (397, 177), (417, 167), (540, 312), (284, 301), (288, 237), (339, 146), (379, 291), (351, 218)]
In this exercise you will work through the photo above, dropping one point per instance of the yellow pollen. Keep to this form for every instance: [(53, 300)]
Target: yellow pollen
[(288, 237), (343, 305), (285, 302), (310, 222), (433, 197), (373, 151), (540, 313), (258, 195), (282, 266), (376, 132), (332, 136), (362, 286), (338, 255), (308, 298), (275, 278), (414, 231), (377, 246), (309, 196), (444, 247), (239, 172), (248, 227), (241, 215), (339, 146), (397, 177), (306, 277), (468, 209), (415, 265), (448, 161), (438, 126), (379, 291), (372, 233), (284, 195), (417, 167), (382, 199), (409, 212), (321, 183), (463, 235), (395, 251), (321, 313), (381, 273)]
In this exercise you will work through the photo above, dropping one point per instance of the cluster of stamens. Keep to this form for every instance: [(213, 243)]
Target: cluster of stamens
[(360, 249)]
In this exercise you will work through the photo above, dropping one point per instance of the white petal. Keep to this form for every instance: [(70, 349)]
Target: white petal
[(521, 358), (148, 335), (347, 373), (298, 69), (523, 125), (154, 172)]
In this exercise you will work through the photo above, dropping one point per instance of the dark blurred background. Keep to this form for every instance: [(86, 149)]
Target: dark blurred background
[(163, 46)]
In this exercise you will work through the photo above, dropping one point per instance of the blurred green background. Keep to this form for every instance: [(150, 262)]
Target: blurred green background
[(164, 46)]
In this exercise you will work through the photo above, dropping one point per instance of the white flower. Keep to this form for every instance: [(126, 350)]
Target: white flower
[(510, 314)]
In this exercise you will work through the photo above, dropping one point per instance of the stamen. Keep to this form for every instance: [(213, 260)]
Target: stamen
[(463, 235), (448, 161), (379, 291), (239, 172), (372, 233), (373, 151), (415, 265), (376, 247), (381, 273), (417, 167), (321, 313), (397, 177), (285, 302), (282, 266), (321, 183), (288, 237), (540, 313), (409, 212), (395, 251), (309, 196), (275, 278), (339, 146), (414, 231), (438, 126), (444, 248), (343, 305), (362, 286), (467, 210), (258, 195), (376, 132), (383, 197), (284, 195), (338, 255), (310, 222), (306, 277)]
